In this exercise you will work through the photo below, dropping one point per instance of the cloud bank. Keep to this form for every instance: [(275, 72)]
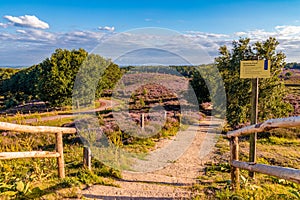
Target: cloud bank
[(30, 21), (30, 40)]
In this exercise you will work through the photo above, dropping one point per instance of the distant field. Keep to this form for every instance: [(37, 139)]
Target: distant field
[(294, 77), (293, 85), (294, 89)]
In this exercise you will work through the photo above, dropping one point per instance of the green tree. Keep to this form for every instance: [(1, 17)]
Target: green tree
[(87, 81), (288, 75), (53, 79), (109, 78), (58, 76), (20, 85), (238, 91), (199, 85)]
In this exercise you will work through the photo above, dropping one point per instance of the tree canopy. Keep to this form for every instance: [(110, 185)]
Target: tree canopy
[(271, 90), (53, 80), (58, 75)]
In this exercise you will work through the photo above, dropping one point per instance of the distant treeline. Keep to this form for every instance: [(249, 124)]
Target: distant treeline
[(293, 65), (53, 79)]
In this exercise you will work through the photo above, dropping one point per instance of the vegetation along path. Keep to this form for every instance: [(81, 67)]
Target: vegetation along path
[(173, 181), (105, 104)]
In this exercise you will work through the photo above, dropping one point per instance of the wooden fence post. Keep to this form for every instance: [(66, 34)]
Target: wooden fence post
[(77, 105), (234, 155), (87, 158), (60, 159), (142, 120), (254, 114)]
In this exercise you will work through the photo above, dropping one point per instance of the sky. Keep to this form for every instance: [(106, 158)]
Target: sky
[(30, 31)]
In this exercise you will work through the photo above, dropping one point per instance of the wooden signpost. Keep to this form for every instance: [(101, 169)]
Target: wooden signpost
[(254, 69)]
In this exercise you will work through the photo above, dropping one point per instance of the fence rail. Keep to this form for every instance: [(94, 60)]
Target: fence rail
[(265, 126), (35, 129), (280, 172), (59, 153), (28, 154)]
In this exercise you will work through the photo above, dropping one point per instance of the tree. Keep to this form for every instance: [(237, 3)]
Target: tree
[(89, 76), (20, 85), (53, 79), (108, 80), (271, 90), (58, 76), (288, 75), (199, 85)]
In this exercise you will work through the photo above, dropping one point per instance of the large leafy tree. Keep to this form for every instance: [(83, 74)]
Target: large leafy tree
[(58, 76), (53, 79), (238, 91)]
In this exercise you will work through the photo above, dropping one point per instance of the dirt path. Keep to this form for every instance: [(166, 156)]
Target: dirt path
[(172, 181)]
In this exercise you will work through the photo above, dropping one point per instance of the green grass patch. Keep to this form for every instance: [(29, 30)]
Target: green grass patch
[(57, 122), (215, 183), (279, 141), (35, 178)]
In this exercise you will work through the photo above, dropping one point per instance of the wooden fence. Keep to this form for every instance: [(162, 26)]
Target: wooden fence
[(58, 131), (280, 172)]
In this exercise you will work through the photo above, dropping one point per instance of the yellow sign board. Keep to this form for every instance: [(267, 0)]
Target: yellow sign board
[(255, 69)]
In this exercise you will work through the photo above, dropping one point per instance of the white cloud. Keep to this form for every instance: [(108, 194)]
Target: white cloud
[(21, 31), (205, 35), (288, 30), (107, 28), (3, 25), (189, 44), (287, 35), (26, 21), (240, 34)]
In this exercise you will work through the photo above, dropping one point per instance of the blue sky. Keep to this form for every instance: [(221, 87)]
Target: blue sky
[(31, 30)]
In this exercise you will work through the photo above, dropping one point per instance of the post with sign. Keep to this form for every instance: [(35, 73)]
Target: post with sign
[(254, 69)]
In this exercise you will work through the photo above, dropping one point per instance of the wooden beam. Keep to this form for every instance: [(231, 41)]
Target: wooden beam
[(60, 159), (254, 114), (28, 154), (280, 172), (35, 129), (267, 125), (142, 120), (234, 155), (87, 157)]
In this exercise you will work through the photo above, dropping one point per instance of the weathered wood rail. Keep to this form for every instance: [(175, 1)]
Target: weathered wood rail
[(280, 172), (58, 131)]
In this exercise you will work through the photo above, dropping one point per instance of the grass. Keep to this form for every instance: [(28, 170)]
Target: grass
[(58, 122), (144, 145), (20, 118), (276, 148), (293, 85), (38, 178), (294, 89)]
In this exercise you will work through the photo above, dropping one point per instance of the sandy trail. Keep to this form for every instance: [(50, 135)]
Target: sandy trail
[(170, 182)]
